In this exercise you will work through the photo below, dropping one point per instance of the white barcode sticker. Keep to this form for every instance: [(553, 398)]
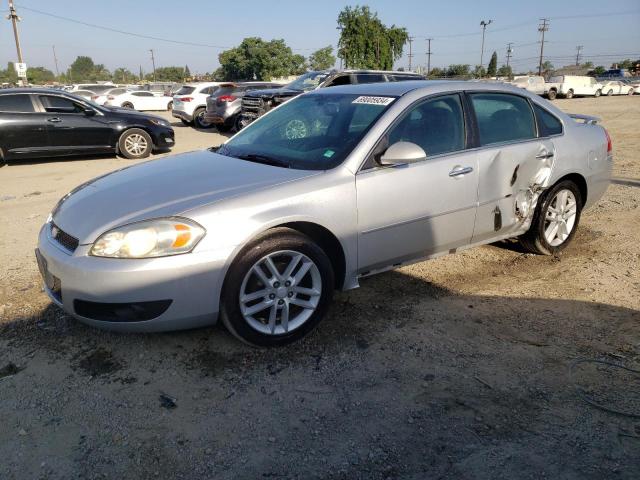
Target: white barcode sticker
[(374, 100)]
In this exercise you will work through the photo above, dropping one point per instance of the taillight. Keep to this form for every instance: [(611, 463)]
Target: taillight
[(94, 97), (609, 143), (226, 98), (185, 99), (111, 97)]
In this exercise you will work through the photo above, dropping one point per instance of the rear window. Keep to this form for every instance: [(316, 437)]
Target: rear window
[(370, 78), (227, 91), (184, 90), (16, 103), (547, 123), (399, 77), (99, 88)]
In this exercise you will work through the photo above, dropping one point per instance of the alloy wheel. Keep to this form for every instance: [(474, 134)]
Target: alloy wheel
[(280, 292), (560, 217), (135, 144)]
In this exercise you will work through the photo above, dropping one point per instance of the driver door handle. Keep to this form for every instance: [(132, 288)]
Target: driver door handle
[(54, 120), (457, 171), (544, 155)]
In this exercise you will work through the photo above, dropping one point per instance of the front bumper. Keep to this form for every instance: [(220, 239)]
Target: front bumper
[(163, 137), (180, 291)]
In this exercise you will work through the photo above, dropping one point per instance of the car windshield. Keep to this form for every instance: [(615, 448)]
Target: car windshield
[(307, 82), (311, 132)]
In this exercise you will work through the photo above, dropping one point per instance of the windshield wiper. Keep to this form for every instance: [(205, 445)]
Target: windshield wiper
[(254, 157)]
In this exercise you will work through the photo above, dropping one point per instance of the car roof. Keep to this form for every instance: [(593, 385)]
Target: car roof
[(401, 88), (33, 90)]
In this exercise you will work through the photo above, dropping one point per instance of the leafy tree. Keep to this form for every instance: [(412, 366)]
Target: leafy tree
[(505, 71), (365, 42), (84, 70), (547, 67), (437, 72), (599, 70), (9, 75), (322, 59), (167, 74), (256, 59), (587, 65), (458, 70), (39, 75), (493, 65), (187, 72), (479, 71), (124, 75)]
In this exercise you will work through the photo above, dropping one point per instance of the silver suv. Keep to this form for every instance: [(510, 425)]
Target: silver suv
[(223, 106)]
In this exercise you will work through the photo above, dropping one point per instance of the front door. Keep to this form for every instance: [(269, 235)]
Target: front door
[(71, 129), (412, 211), (24, 131)]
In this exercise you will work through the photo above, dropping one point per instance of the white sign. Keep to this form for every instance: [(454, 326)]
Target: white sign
[(21, 69)]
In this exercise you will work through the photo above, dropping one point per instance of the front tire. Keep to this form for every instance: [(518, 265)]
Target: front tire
[(598, 93), (551, 94), (555, 220), (569, 94), (135, 143), (277, 290), (127, 105), (630, 92), (170, 106)]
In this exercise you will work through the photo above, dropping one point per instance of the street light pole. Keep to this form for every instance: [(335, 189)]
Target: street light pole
[(484, 26), (153, 62), (13, 16)]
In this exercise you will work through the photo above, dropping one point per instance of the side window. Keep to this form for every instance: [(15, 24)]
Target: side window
[(16, 104), (437, 125), (503, 118), (341, 80), (59, 105), (369, 78), (547, 123), (143, 94)]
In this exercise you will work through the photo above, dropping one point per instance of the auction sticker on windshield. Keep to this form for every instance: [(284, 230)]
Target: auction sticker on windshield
[(374, 100)]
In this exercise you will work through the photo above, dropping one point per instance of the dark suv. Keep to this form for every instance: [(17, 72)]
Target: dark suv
[(257, 103), (48, 123), (223, 105)]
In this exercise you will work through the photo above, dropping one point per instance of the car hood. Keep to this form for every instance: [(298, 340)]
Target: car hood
[(161, 188)]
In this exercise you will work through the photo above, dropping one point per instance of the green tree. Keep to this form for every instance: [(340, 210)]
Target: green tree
[(493, 65), (168, 74), (187, 72), (547, 67), (587, 65), (39, 75), (322, 59), (365, 42), (82, 69), (458, 70), (437, 72), (599, 70), (9, 75), (124, 75), (256, 59), (479, 71), (505, 71)]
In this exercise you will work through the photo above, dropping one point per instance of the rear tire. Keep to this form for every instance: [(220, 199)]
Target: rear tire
[(293, 301), (198, 119), (631, 91), (597, 94), (552, 94), (135, 143), (569, 94), (560, 208), (128, 105), (170, 106)]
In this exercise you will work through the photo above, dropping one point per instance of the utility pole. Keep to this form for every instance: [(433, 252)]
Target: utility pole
[(153, 61), (13, 16), (484, 26), (410, 52), (579, 49), (543, 27), (509, 52), (55, 60), (429, 56)]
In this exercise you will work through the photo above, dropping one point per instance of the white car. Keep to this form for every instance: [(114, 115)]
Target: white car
[(101, 98), (616, 87), (140, 100), (190, 103)]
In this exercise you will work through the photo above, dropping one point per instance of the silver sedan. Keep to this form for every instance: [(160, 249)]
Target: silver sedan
[(330, 187)]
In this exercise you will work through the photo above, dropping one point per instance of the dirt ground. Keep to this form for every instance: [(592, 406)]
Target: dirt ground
[(481, 365)]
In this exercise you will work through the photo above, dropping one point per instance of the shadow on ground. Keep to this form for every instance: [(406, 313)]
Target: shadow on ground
[(404, 379)]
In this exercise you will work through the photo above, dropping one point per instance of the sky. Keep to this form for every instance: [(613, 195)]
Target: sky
[(607, 31)]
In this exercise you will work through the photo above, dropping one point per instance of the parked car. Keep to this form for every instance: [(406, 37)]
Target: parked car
[(569, 86), (49, 123), (633, 83), (190, 103), (536, 84), (256, 103), (94, 87), (333, 186), (160, 88), (140, 100), (86, 94), (616, 87), (102, 98), (223, 106)]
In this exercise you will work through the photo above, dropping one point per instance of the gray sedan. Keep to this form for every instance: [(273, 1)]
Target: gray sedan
[(330, 187)]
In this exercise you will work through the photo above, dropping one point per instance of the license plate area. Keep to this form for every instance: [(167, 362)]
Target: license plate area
[(52, 282)]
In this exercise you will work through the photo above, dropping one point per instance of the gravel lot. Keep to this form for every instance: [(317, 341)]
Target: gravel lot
[(463, 367)]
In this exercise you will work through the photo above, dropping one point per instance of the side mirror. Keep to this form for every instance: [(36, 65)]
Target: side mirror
[(402, 153), (89, 112)]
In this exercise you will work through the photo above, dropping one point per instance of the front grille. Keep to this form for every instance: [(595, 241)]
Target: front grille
[(63, 238), (252, 106)]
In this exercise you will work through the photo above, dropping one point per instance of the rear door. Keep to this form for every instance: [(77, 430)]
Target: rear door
[(71, 129), (24, 130), (513, 155)]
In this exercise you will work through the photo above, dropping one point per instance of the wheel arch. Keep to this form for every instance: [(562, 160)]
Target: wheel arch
[(580, 182), (129, 127)]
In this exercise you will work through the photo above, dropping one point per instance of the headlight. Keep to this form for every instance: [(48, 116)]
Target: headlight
[(160, 123), (151, 238)]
